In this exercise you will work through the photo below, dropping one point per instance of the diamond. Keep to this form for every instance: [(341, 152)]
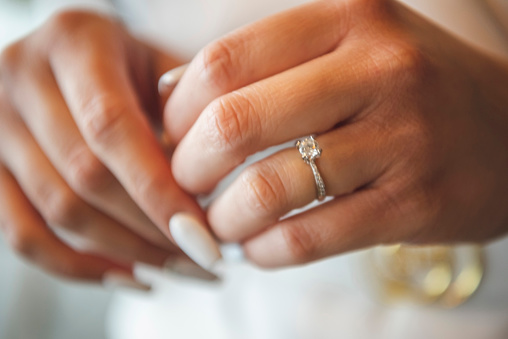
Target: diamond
[(309, 148)]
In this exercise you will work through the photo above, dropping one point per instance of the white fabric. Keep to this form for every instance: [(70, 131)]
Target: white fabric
[(323, 300)]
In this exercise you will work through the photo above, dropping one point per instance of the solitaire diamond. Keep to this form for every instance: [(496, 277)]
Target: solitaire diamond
[(309, 149)]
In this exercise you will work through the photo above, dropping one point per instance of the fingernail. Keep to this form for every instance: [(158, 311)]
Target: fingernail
[(188, 269), (219, 268), (169, 79), (119, 279), (195, 240)]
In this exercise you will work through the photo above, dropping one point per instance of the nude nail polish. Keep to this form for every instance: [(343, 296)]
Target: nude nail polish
[(195, 240), (118, 279), (169, 79)]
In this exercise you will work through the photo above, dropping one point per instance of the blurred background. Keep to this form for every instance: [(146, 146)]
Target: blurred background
[(34, 305)]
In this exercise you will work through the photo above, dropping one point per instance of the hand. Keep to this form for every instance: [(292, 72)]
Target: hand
[(77, 151), (412, 123)]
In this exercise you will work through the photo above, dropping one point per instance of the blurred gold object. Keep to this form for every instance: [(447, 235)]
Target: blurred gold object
[(446, 275)]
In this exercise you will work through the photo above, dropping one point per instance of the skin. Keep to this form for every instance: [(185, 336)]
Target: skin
[(413, 124), (79, 153)]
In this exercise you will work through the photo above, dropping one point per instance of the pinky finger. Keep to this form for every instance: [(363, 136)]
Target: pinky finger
[(27, 233), (347, 223)]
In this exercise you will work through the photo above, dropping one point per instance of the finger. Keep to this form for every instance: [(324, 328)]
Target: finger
[(308, 99), (60, 207), (170, 79), (252, 53), (272, 187), (27, 234), (345, 224), (152, 63), (105, 107), (46, 115)]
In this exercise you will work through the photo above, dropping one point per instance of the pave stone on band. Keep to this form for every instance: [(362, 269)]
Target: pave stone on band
[(310, 150)]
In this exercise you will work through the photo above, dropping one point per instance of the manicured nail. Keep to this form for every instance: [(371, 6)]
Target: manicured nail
[(219, 269), (188, 269), (119, 279), (169, 79), (195, 240)]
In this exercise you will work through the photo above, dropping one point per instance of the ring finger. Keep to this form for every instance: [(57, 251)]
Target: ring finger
[(310, 98), (269, 189)]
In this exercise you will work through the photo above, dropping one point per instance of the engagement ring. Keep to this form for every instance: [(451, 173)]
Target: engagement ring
[(310, 150)]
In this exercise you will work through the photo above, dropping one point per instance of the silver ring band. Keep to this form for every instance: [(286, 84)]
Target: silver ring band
[(320, 185), (310, 150)]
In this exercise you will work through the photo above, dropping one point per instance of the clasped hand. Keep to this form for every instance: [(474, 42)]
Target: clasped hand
[(411, 120)]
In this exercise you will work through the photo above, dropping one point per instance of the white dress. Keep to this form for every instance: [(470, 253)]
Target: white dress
[(321, 300)]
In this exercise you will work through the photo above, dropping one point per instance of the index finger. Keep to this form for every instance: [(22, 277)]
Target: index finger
[(96, 83), (252, 53)]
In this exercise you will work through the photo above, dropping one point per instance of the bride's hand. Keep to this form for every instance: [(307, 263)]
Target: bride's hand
[(413, 124), (77, 150)]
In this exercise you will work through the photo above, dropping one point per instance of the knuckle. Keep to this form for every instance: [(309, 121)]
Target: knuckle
[(403, 60), (410, 60), (231, 123), (147, 184), (87, 174), (217, 64), (67, 29), (10, 58), (103, 119), (265, 191), (22, 242), (68, 20), (61, 208), (300, 243)]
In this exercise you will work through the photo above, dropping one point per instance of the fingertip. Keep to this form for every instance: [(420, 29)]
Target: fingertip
[(187, 177), (114, 279), (192, 236), (170, 79), (186, 102), (67, 263), (226, 217), (267, 250)]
